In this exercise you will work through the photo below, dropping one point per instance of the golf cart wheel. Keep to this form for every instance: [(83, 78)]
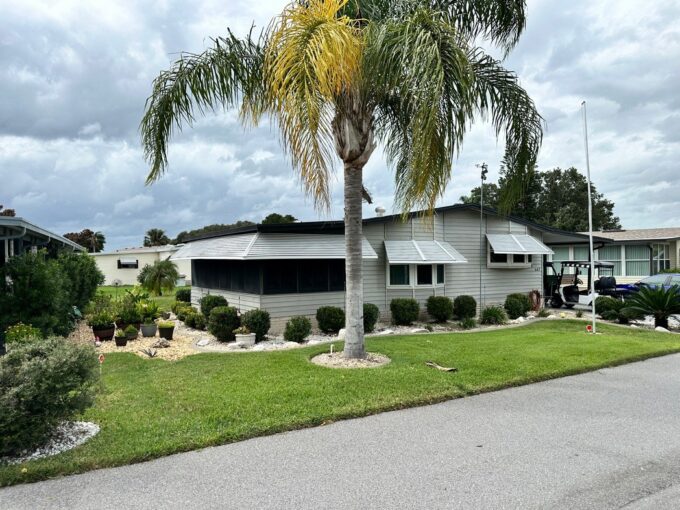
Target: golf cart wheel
[(555, 302), (569, 305)]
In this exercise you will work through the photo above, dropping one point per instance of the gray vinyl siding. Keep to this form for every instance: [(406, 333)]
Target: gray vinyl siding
[(239, 300)]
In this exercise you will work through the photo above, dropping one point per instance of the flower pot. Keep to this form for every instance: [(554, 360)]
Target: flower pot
[(121, 341), (166, 332), (104, 333), (149, 330), (165, 315), (132, 336), (246, 340)]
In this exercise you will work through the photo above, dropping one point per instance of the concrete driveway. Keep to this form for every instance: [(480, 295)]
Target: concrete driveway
[(607, 439)]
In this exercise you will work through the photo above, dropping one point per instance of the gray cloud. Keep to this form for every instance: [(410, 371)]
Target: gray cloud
[(75, 77)]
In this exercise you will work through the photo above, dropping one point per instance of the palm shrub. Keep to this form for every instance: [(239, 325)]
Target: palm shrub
[(183, 294), (222, 323), (494, 314), (371, 316), (404, 310), (517, 305), (331, 319), (207, 303), (440, 308), (160, 276), (258, 322), (464, 307), (297, 329), (314, 74), (43, 383), (657, 301)]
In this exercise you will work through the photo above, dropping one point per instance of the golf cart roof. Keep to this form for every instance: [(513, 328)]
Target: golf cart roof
[(586, 263)]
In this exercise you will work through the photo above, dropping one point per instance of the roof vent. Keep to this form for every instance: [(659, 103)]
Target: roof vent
[(380, 211)]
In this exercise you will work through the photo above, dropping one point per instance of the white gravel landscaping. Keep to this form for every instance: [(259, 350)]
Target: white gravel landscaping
[(67, 436)]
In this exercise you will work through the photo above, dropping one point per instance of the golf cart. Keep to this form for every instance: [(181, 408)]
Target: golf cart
[(560, 288)]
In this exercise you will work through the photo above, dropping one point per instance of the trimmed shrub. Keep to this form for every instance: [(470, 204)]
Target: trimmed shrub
[(371, 316), (184, 311), (82, 277), (190, 319), (22, 333), (404, 311), (604, 304), (209, 302), (440, 308), (331, 319), (222, 323), (297, 329), (43, 383), (610, 315), (468, 323), (183, 294), (199, 321), (517, 305), (258, 322), (629, 314), (464, 307), (494, 314)]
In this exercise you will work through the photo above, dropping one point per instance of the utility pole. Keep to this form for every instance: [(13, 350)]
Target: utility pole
[(485, 170)]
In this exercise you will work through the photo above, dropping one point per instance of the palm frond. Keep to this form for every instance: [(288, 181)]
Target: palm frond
[(222, 76), (313, 56)]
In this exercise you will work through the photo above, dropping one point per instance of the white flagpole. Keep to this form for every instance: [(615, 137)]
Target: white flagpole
[(590, 214)]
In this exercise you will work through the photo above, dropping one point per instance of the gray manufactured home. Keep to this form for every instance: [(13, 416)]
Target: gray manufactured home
[(293, 269)]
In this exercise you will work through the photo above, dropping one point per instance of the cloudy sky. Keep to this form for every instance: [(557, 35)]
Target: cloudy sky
[(74, 76)]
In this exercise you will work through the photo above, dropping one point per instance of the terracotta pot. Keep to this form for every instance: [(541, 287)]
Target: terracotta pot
[(104, 334), (166, 332), (121, 341)]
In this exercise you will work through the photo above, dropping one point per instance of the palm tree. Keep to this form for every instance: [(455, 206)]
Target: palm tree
[(162, 275), (337, 77), (156, 237), (657, 301)]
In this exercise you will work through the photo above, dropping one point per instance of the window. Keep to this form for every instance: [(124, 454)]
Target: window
[(505, 260), (661, 257), (637, 260), (128, 264), (611, 254), (399, 274), (498, 258), (440, 273), (519, 259), (424, 275)]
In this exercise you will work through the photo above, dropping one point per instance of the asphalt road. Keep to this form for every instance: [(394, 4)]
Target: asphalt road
[(607, 439)]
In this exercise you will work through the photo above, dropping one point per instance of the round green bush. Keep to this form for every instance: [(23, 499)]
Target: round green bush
[(468, 323), (440, 308), (222, 323), (464, 307), (184, 311), (209, 302), (43, 383), (331, 319), (605, 304), (371, 316), (297, 329), (258, 322), (199, 321), (494, 314), (404, 311), (517, 305), (610, 315), (22, 333), (190, 319), (183, 294)]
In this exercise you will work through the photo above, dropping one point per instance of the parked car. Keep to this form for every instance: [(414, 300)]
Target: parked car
[(665, 280)]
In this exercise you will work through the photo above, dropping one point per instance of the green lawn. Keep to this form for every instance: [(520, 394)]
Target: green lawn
[(151, 408), (164, 301)]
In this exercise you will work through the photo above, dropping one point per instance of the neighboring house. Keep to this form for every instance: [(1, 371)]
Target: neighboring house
[(18, 236), (636, 253), (124, 265), (293, 269)]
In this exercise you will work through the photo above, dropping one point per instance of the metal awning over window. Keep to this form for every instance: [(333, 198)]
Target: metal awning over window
[(266, 246), (422, 252), (127, 260), (517, 244)]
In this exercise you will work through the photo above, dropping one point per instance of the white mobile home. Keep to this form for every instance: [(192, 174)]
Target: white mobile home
[(293, 269), (123, 266)]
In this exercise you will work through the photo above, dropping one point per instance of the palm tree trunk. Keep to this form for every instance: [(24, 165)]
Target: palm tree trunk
[(354, 293)]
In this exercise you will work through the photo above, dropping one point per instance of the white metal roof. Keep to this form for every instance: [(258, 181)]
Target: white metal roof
[(422, 252), (517, 244), (267, 246), (27, 228)]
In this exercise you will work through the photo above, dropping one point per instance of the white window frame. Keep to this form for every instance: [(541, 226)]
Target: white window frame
[(413, 277), (510, 263), (667, 257)]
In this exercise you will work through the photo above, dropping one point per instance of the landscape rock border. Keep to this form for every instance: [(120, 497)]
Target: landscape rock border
[(337, 360)]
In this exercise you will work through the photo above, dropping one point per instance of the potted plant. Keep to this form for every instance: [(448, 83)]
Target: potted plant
[(128, 313), (131, 332), (121, 338), (165, 329), (102, 324), (150, 313), (244, 336)]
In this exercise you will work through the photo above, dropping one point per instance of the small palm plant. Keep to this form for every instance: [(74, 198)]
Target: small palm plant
[(657, 301), (162, 275)]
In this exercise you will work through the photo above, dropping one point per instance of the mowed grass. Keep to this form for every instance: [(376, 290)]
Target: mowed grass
[(164, 301), (151, 408)]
